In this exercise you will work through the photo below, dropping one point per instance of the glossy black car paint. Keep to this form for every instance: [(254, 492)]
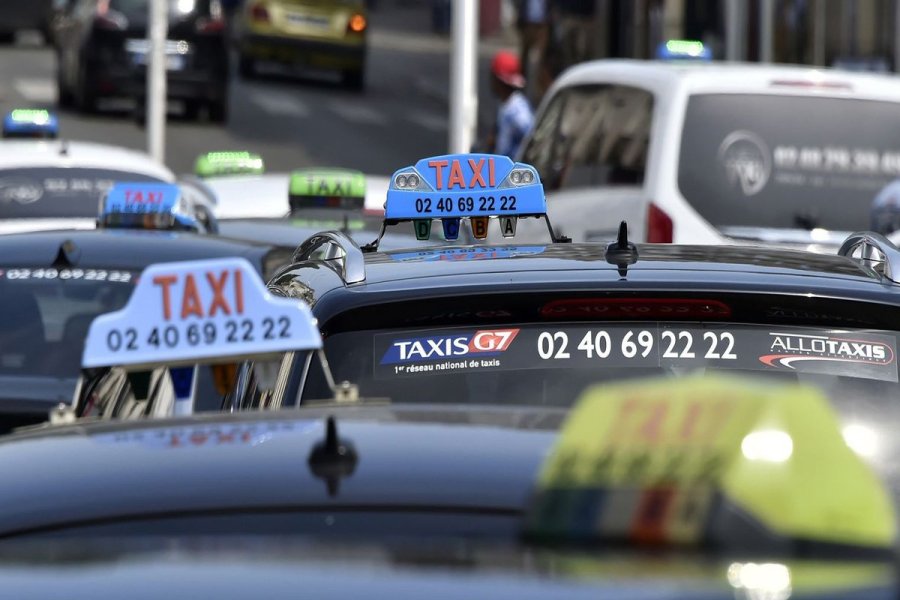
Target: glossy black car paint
[(413, 475)]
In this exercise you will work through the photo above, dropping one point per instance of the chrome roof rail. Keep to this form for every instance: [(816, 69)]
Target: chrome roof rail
[(353, 268), (874, 251)]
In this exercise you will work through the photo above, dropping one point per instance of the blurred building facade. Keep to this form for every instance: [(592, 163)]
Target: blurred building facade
[(816, 32)]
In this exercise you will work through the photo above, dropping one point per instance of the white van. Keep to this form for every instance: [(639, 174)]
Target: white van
[(716, 152)]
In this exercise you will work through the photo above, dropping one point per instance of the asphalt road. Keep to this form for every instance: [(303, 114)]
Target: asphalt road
[(293, 121)]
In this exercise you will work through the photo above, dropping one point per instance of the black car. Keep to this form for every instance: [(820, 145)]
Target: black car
[(53, 284), (102, 52)]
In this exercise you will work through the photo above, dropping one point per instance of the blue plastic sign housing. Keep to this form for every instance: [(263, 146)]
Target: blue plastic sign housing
[(205, 311), (465, 185), (30, 123), (142, 205)]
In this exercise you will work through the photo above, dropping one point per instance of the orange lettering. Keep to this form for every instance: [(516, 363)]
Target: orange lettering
[(438, 166), (477, 177), (456, 176), (491, 172), (190, 303), (165, 281), (218, 290)]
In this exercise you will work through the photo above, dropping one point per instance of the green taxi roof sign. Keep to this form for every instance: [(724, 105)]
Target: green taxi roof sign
[(214, 164), (327, 188)]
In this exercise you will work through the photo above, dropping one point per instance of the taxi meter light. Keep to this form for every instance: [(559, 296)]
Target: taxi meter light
[(683, 50), (478, 188), (30, 123), (327, 188), (214, 164), (141, 205)]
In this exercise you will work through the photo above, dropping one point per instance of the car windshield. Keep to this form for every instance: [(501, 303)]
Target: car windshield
[(46, 313), (58, 192), (747, 160)]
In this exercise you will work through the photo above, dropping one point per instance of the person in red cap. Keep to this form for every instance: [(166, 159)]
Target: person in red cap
[(514, 116)]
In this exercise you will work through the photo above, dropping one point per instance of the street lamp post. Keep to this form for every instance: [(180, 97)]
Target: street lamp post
[(156, 79), (463, 69)]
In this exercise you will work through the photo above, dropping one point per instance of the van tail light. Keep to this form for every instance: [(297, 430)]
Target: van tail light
[(357, 24), (660, 229), (259, 13), (213, 25)]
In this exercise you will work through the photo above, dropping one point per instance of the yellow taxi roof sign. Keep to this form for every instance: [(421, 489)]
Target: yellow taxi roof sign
[(651, 462)]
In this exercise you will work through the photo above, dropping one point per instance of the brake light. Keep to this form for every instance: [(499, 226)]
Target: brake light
[(357, 24), (660, 229), (212, 25), (630, 308), (259, 13)]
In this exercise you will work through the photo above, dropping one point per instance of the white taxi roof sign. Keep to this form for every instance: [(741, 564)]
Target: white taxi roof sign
[(204, 311)]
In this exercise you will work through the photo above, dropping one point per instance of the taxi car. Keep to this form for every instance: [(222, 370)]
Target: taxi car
[(53, 284), (53, 184), (307, 33), (711, 153), (287, 208), (536, 324)]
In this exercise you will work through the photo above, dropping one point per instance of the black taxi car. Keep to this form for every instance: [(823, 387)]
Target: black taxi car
[(537, 324), (53, 284)]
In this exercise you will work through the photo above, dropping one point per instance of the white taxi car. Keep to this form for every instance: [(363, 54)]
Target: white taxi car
[(58, 184), (716, 152)]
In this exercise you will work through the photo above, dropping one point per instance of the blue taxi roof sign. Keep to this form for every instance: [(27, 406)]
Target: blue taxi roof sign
[(474, 187), (683, 50), (30, 123), (204, 311), (142, 205)]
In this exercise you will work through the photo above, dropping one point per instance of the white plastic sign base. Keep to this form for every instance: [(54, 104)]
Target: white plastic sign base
[(205, 311)]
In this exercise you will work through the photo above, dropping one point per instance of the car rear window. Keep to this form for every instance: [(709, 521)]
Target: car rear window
[(758, 160), (57, 192)]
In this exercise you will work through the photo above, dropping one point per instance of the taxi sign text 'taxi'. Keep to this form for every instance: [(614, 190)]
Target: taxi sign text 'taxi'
[(199, 312)]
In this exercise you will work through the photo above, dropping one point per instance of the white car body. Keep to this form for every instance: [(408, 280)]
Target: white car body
[(592, 211), (64, 154), (266, 196)]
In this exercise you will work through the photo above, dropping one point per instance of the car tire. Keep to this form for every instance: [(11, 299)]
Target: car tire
[(246, 67), (354, 79), (218, 111), (7, 37), (191, 110)]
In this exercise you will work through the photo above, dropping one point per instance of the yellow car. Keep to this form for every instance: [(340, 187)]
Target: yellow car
[(323, 34)]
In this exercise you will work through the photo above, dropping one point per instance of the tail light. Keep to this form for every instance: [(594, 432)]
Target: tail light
[(259, 13), (210, 25), (660, 229), (357, 24)]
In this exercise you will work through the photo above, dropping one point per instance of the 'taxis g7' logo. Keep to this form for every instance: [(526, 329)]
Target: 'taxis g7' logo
[(485, 342), (747, 161)]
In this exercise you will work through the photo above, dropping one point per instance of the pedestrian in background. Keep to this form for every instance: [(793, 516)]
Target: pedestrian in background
[(514, 116), (532, 21)]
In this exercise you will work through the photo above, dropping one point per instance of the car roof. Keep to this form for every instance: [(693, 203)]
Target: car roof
[(449, 452), (733, 77), (266, 196), (121, 249), (64, 153)]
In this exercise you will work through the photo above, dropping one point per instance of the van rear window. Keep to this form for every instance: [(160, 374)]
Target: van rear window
[(758, 160)]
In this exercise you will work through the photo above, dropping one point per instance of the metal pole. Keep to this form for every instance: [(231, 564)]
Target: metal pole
[(766, 33), (733, 22), (463, 70), (156, 79)]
